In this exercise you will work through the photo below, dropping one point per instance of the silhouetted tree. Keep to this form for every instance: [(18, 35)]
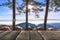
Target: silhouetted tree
[(11, 4), (30, 6), (53, 3), (46, 14), (23, 8), (14, 14)]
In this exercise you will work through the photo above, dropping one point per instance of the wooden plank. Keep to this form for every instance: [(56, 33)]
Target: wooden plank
[(35, 35), (49, 35), (11, 36), (24, 35), (4, 33), (57, 33)]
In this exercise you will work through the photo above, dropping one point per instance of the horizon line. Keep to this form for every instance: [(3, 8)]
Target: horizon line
[(34, 20)]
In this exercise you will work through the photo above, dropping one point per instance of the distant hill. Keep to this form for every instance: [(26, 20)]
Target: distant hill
[(53, 25), (24, 25), (42, 25), (57, 25)]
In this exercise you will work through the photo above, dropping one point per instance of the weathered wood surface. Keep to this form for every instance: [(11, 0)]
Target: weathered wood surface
[(10, 36), (50, 35), (34, 35), (30, 35), (2, 34), (57, 33), (24, 35)]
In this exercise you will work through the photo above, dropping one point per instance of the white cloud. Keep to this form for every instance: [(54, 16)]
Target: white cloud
[(5, 18), (51, 15)]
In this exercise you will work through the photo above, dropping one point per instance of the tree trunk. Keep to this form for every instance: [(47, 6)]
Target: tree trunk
[(13, 14), (46, 14), (26, 14)]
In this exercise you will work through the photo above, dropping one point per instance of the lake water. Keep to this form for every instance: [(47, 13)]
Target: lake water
[(34, 22)]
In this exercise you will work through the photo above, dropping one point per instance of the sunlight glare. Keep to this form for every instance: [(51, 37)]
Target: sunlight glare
[(30, 7)]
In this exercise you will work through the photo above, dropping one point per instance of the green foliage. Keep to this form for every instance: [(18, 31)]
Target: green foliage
[(28, 0), (55, 3)]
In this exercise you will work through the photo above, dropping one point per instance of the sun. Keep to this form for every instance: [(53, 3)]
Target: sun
[(30, 7)]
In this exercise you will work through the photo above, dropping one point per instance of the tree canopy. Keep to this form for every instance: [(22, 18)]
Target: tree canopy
[(33, 6)]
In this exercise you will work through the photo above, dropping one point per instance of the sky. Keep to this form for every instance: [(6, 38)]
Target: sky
[(6, 15)]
